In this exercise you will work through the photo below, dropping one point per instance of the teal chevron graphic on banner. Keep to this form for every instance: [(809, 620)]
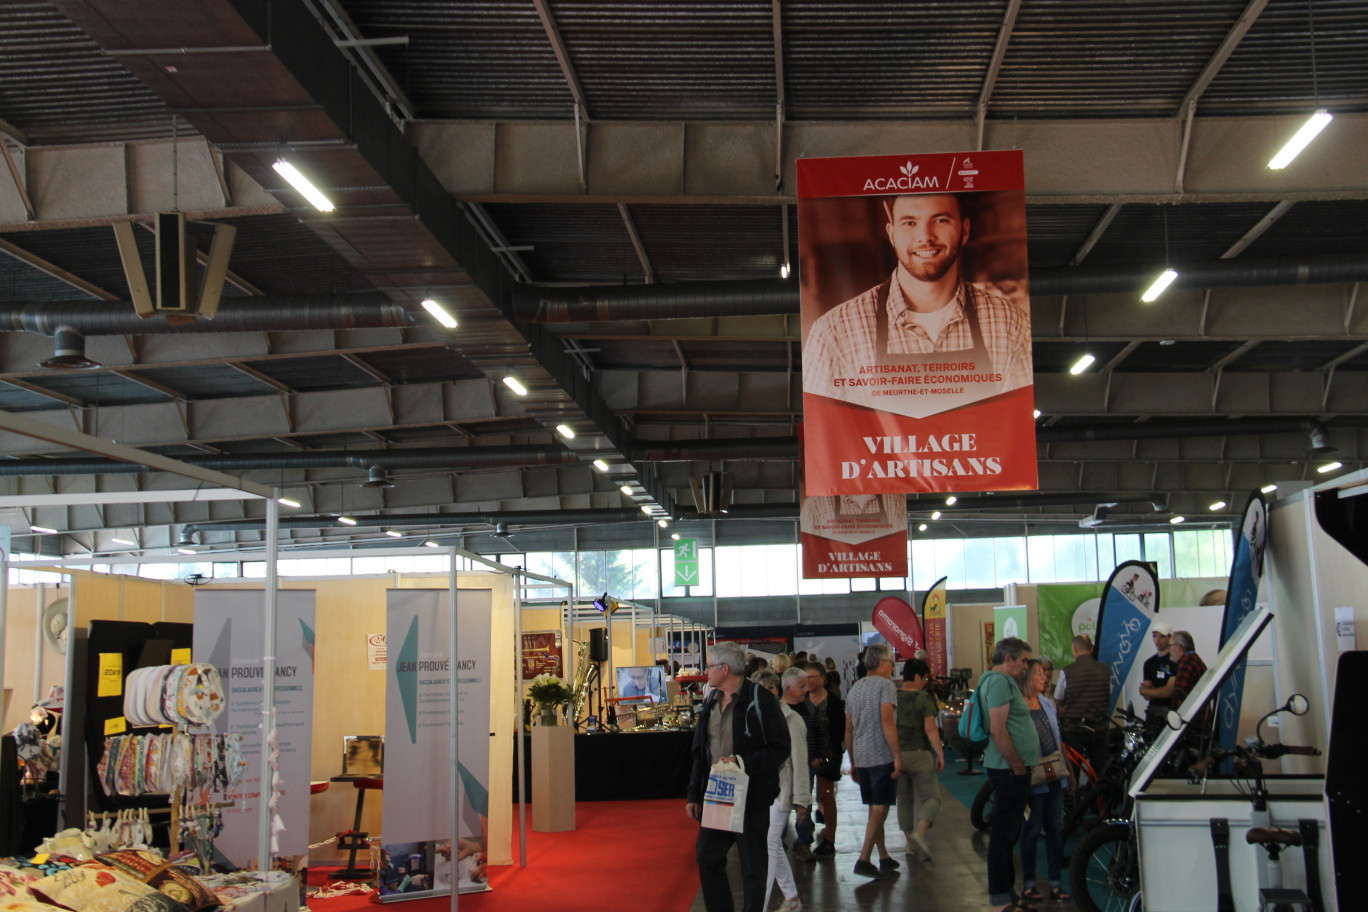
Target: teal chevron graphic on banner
[(307, 638), (406, 676)]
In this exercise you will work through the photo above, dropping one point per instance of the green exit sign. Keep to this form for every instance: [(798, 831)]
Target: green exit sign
[(686, 562)]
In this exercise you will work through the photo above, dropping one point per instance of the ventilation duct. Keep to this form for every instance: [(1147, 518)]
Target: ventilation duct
[(760, 297), (711, 493), (265, 314), (754, 448), (379, 478), (507, 519), (68, 351)]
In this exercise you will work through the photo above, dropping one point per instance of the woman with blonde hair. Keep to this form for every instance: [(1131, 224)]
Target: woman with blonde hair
[(780, 664)]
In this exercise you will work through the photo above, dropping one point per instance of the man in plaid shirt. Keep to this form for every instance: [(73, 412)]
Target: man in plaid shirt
[(929, 315)]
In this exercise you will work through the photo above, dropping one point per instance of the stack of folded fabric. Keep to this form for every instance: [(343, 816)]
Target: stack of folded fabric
[(173, 695)]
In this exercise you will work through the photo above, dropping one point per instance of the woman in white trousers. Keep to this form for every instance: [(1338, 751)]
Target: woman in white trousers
[(793, 789)]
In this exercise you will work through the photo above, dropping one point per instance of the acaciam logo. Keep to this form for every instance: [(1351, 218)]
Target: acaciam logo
[(907, 181)]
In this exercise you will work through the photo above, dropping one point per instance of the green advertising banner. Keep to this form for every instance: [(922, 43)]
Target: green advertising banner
[(1010, 621), (1063, 611)]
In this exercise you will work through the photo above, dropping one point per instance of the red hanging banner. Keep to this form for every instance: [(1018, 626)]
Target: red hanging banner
[(917, 373)]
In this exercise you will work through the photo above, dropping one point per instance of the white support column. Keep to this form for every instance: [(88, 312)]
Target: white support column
[(268, 666)]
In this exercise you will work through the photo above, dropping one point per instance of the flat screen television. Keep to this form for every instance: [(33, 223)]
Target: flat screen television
[(642, 681)]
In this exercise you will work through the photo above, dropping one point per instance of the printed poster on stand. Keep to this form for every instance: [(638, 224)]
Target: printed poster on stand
[(1246, 570), (417, 856), (1130, 602), (854, 535), (934, 627), (228, 634), (916, 328)]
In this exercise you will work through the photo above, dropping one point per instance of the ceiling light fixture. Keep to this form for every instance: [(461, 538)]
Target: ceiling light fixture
[(439, 314), (921, 528), (1218, 505), (513, 384), (123, 541), (44, 530), (185, 551), (1037, 412), (394, 533), (1175, 520), (674, 535), (936, 515), (646, 508), (1330, 467), (431, 544), (951, 500), (1268, 489), (600, 465), (287, 502), (303, 185), (626, 489), (1301, 139), (663, 523), (1164, 280), (564, 431), (784, 271), (1082, 364), (346, 520)]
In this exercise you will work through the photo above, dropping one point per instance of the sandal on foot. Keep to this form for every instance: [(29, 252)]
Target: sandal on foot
[(1058, 894), (1031, 894)]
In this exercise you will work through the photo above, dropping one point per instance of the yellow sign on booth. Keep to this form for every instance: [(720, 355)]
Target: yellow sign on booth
[(111, 675)]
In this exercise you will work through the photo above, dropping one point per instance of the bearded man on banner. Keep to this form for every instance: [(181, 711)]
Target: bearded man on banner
[(925, 311)]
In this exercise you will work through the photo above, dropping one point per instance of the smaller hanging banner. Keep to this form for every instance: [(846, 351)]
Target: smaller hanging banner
[(854, 535), (1243, 589), (896, 620), (1130, 601), (933, 613)]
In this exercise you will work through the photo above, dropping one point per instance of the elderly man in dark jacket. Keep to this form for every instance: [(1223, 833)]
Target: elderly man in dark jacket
[(739, 720)]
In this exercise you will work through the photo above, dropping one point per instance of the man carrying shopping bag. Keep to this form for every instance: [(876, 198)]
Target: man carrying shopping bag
[(740, 724)]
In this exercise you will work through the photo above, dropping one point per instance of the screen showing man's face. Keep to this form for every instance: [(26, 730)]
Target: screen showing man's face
[(927, 233), (639, 679)]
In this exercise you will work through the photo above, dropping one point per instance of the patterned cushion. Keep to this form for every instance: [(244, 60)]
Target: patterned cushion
[(95, 888), (155, 871)]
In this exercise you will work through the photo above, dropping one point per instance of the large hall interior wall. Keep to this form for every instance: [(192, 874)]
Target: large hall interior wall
[(23, 651)]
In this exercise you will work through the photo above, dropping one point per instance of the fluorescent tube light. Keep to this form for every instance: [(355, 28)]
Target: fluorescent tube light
[(346, 520), (439, 313), (394, 533), (951, 500), (1082, 364), (1164, 281), (646, 508), (626, 489), (564, 431), (600, 465), (185, 551), (663, 523), (303, 185), (431, 544), (1268, 489), (1330, 467), (1301, 139), (921, 528), (43, 530), (936, 515), (674, 535), (1218, 505), (513, 384), (1175, 520), (784, 271), (287, 502), (123, 541), (1037, 413)]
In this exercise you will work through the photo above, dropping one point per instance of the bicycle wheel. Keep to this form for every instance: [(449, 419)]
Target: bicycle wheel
[(981, 811), (1092, 807), (1105, 874)]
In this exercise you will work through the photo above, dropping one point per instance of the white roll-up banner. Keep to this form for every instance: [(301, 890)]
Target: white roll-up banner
[(228, 635), (417, 811)]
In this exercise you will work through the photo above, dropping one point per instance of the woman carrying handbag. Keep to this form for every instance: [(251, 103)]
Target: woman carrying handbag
[(1049, 778)]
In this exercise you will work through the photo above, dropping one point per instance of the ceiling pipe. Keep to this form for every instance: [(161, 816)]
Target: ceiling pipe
[(240, 314), (1172, 430), (508, 518), (758, 297), (752, 448)]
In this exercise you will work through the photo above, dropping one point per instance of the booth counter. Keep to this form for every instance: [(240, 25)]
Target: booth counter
[(627, 766)]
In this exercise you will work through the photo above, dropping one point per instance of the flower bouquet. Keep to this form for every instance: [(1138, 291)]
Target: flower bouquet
[(549, 692)]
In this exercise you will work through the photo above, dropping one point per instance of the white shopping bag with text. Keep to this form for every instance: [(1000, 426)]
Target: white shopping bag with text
[(724, 803)]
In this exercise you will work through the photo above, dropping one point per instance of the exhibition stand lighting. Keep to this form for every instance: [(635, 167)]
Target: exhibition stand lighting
[(303, 185), (512, 383), (439, 313), (431, 544), (1301, 139), (1082, 364), (1164, 280), (605, 605), (784, 271)]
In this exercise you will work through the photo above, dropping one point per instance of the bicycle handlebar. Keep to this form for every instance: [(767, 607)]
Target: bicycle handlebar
[(1274, 751), (1265, 752)]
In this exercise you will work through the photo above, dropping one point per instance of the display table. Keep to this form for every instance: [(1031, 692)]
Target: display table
[(627, 766), (249, 891), (553, 770)]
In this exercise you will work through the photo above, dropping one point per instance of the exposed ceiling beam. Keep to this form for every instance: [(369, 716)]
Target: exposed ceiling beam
[(75, 440), (1095, 235), (1218, 59), (77, 498), (57, 272), (553, 35), (630, 224), (994, 66), (20, 184), (1259, 228)]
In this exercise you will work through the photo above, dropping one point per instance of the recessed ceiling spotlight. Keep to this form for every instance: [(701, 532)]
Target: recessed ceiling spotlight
[(646, 508), (663, 523), (674, 535), (1037, 412)]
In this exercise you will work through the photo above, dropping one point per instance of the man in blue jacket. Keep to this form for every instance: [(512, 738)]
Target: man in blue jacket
[(740, 720)]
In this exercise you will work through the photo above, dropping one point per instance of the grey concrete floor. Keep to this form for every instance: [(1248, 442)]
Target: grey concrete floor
[(955, 880)]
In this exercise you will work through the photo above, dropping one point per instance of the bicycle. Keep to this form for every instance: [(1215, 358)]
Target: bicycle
[(981, 811)]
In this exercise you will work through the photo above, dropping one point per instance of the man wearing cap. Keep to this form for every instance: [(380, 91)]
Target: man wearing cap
[(1159, 668)]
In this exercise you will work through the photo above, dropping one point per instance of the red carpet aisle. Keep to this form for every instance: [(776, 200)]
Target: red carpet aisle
[(622, 855)]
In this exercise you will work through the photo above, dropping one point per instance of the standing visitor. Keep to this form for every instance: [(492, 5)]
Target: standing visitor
[(1047, 799), (794, 698), (922, 755), (1084, 693), (1013, 748), (827, 712), (739, 720), (793, 794), (871, 737)]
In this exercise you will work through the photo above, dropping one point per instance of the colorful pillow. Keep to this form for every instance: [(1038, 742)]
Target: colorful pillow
[(17, 873), (158, 873), (23, 905), (96, 888)]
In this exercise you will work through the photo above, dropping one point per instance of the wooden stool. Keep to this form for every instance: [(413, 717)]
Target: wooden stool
[(354, 839)]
